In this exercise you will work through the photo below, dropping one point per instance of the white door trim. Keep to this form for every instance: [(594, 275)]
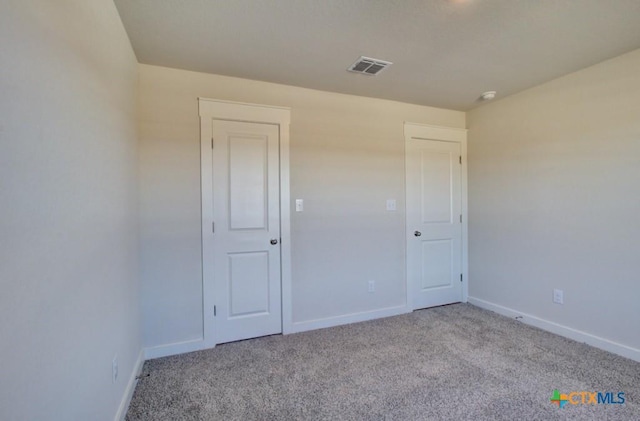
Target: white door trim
[(448, 134), (226, 110)]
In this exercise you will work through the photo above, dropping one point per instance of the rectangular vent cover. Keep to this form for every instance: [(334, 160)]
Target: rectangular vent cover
[(369, 66)]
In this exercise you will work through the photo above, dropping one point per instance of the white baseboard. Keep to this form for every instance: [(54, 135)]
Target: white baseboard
[(199, 344), (131, 386), (347, 318), (558, 329), (174, 349)]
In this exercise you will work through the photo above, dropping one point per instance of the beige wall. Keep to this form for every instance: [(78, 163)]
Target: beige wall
[(346, 161), (68, 210), (554, 199)]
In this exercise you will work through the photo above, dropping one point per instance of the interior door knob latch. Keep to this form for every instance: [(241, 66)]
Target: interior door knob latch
[(417, 233)]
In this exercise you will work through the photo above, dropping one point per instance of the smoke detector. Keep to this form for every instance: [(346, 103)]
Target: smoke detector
[(369, 66), (488, 96)]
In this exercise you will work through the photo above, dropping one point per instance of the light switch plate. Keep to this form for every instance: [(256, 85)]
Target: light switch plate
[(371, 286), (299, 205), (391, 204), (558, 296)]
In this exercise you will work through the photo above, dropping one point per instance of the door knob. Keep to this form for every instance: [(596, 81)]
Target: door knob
[(417, 233), (274, 241)]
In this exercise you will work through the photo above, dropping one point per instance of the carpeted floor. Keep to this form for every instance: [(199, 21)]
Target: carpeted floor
[(456, 362)]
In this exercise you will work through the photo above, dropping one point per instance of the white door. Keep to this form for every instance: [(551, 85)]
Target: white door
[(246, 232), (434, 222)]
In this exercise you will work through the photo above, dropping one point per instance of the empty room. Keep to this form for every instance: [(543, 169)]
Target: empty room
[(319, 210)]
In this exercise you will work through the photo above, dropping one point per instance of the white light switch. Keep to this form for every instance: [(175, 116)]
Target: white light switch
[(391, 204), (558, 296), (299, 205)]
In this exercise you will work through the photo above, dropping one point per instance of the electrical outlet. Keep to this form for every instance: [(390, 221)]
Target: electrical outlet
[(114, 369), (372, 286), (558, 296)]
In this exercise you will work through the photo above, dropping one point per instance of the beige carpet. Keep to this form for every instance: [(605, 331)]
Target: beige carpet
[(456, 362)]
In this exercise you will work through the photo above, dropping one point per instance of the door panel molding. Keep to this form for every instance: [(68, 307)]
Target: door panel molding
[(212, 109), (415, 131)]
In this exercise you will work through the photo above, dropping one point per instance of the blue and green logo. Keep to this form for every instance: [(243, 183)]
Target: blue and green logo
[(587, 398), (559, 399)]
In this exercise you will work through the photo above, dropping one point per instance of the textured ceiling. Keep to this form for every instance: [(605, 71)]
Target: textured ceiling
[(445, 52)]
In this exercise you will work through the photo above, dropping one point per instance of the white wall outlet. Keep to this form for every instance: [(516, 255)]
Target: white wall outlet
[(558, 296), (372, 286), (391, 205), (299, 205), (114, 369)]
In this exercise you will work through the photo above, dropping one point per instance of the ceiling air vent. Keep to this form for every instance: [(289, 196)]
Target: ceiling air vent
[(369, 66)]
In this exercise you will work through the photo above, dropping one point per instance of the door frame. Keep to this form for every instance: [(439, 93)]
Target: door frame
[(445, 134), (210, 109)]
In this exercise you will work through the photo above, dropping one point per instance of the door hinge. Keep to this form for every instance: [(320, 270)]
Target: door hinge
[(460, 159), (461, 218), (211, 143), (213, 227), (460, 277), (214, 311)]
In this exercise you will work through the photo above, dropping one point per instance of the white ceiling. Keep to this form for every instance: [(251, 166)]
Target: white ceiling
[(445, 52)]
